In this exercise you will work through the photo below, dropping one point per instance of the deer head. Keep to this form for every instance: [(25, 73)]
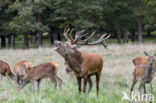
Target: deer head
[(150, 65), (151, 59), (64, 48)]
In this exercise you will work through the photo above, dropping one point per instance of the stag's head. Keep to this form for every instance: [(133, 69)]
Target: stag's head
[(71, 44)]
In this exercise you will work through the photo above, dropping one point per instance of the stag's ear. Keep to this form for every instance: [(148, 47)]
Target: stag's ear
[(146, 54)]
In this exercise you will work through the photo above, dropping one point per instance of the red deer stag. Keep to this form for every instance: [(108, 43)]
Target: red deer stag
[(144, 73), (20, 70), (37, 73), (83, 64), (5, 70)]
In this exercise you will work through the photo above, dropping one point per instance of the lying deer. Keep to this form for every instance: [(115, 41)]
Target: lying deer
[(144, 73), (20, 70), (37, 73), (5, 70), (83, 64)]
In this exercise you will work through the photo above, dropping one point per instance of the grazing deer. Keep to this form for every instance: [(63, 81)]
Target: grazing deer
[(83, 64), (37, 73), (144, 73), (20, 70), (5, 70)]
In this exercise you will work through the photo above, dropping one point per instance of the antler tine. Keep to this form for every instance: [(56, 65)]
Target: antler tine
[(78, 36), (84, 35), (91, 36), (70, 35), (106, 37), (65, 34)]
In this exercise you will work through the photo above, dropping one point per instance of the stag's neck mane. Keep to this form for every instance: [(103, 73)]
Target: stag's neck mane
[(74, 60)]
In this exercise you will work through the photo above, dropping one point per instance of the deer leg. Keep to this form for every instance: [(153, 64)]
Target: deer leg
[(141, 87), (17, 79), (59, 81), (132, 87), (97, 82), (32, 85), (79, 84), (151, 87), (90, 85), (38, 84), (84, 84), (53, 80), (8, 76), (144, 86)]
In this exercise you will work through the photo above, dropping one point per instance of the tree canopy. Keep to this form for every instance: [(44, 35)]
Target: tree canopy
[(35, 17)]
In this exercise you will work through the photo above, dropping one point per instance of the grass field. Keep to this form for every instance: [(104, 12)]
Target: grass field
[(116, 75)]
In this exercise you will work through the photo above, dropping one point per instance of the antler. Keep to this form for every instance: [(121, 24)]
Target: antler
[(65, 34), (80, 34)]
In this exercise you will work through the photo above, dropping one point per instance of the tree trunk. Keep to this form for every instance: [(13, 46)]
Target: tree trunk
[(133, 36), (140, 22), (25, 40), (40, 39), (33, 39), (9, 41), (51, 38), (126, 36), (13, 40), (119, 36), (3, 41), (59, 37), (149, 33)]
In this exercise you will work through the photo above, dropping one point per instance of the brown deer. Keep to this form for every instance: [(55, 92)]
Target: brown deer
[(83, 64), (37, 73), (141, 60), (20, 70), (144, 73), (5, 70)]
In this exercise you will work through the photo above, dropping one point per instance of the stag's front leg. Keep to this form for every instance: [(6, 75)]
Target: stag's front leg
[(84, 84), (79, 84)]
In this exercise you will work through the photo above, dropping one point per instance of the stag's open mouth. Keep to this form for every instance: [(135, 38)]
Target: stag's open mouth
[(55, 48)]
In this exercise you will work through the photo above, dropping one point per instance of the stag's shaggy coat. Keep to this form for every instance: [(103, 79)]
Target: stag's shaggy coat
[(82, 64), (37, 73)]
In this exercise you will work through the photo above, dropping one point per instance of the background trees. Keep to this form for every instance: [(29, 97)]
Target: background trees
[(25, 21)]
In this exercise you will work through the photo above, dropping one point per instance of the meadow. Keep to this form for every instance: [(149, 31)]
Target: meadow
[(116, 75)]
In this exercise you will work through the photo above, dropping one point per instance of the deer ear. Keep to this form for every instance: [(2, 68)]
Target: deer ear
[(146, 54)]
